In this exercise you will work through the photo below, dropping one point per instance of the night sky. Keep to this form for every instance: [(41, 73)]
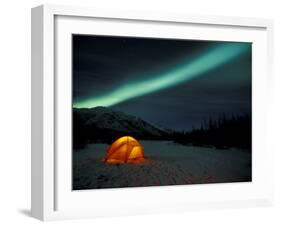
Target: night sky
[(171, 83)]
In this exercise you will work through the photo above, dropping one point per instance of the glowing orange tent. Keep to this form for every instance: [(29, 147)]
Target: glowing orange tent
[(124, 150)]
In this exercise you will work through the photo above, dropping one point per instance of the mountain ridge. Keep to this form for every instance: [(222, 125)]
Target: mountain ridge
[(105, 124)]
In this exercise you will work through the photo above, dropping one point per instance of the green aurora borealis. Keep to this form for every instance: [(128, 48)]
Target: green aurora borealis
[(182, 72)]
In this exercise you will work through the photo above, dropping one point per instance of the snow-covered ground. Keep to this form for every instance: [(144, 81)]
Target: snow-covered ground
[(166, 163)]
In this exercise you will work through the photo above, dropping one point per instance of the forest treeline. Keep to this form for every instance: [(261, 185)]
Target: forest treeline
[(223, 132)]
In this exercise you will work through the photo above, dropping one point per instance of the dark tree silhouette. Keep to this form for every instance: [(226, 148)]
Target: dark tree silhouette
[(224, 132)]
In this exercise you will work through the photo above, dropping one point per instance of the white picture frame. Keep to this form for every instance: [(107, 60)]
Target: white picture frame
[(52, 197)]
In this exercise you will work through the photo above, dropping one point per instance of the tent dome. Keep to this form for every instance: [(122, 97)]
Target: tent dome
[(124, 150)]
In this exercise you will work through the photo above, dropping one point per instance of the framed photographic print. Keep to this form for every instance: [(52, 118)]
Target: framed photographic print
[(137, 112)]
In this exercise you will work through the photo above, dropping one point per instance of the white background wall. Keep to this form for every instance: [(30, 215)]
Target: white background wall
[(15, 112)]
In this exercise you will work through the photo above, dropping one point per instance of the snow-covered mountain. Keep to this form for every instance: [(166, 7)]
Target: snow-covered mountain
[(103, 121)]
